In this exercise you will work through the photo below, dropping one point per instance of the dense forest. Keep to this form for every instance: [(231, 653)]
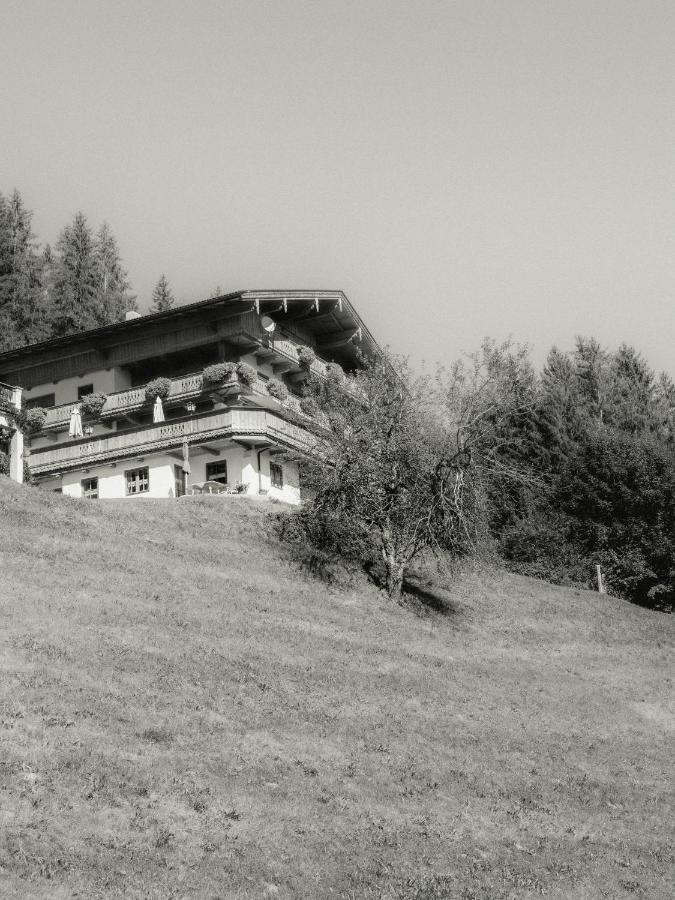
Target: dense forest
[(586, 471), (581, 454)]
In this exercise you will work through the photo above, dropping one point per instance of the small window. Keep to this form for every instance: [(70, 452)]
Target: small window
[(138, 480), (276, 475), (90, 488), (44, 401), (217, 471), (84, 389)]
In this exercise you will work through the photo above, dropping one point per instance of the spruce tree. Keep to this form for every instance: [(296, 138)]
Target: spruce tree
[(114, 297), (76, 291), (592, 368), (162, 297), (24, 315), (631, 395)]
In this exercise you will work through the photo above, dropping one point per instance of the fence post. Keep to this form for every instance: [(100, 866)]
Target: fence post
[(601, 580)]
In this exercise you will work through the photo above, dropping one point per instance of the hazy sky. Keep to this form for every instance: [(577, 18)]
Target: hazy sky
[(460, 169)]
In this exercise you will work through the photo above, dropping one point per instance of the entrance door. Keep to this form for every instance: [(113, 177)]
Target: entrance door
[(180, 481)]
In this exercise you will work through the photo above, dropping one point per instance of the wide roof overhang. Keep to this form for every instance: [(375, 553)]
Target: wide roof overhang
[(327, 315)]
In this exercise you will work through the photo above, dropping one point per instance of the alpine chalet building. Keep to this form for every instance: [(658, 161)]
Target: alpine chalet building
[(205, 394)]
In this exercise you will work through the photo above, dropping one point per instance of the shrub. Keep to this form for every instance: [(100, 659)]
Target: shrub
[(4, 463), (277, 389), (159, 387), (306, 357), (91, 405), (218, 373), (247, 374)]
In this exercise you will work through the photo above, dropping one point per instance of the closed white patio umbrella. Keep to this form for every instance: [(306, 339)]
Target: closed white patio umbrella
[(75, 429), (158, 411), (186, 458)]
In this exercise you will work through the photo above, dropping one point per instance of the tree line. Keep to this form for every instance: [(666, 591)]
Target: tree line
[(551, 473), (79, 283)]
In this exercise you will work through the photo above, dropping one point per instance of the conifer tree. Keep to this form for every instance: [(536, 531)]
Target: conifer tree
[(114, 298), (557, 414), (631, 395), (162, 297), (24, 315), (76, 293), (664, 408), (592, 367)]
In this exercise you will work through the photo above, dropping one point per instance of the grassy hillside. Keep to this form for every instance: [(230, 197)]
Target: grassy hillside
[(185, 714)]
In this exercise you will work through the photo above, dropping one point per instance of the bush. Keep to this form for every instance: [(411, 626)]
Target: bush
[(218, 373), (159, 387), (91, 405), (306, 357), (4, 463), (277, 389), (247, 374)]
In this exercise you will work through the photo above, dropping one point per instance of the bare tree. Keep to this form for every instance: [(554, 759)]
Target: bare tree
[(388, 478)]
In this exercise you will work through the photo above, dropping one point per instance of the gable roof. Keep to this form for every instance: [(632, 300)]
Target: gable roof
[(328, 315)]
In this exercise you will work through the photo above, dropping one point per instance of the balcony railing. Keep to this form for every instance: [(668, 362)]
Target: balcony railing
[(182, 389), (245, 424), (123, 402)]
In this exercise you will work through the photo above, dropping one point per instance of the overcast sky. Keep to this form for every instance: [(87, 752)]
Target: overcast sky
[(459, 169)]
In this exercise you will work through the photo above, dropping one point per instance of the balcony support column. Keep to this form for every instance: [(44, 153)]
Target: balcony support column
[(16, 457)]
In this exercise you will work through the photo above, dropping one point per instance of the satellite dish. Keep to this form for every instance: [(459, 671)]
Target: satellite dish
[(268, 324)]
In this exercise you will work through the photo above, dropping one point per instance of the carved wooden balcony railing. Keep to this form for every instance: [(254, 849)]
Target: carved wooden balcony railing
[(123, 402), (254, 425)]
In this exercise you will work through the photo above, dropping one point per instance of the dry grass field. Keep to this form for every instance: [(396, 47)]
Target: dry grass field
[(184, 713)]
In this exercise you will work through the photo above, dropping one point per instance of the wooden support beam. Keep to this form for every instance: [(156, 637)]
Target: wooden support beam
[(214, 451)]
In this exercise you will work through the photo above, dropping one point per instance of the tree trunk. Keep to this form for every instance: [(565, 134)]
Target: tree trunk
[(394, 569)]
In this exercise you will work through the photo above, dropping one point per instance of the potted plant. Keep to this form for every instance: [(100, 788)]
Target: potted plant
[(91, 405), (217, 374), (35, 419), (247, 374), (306, 357), (158, 387), (277, 389), (309, 406)]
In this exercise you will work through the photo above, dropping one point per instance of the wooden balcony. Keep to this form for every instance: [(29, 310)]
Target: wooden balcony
[(254, 426), (124, 403)]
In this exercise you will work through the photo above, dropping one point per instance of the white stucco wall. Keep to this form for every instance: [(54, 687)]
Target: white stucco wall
[(105, 381), (242, 466)]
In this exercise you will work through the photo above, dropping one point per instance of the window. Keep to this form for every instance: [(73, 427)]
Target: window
[(138, 480), (90, 488), (276, 475), (44, 401), (217, 471), (84, 389)]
